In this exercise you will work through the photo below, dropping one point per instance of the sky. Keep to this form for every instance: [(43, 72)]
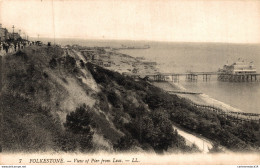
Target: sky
[(228, 21)]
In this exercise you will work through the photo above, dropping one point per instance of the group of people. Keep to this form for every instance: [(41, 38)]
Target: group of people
[(10, 47)]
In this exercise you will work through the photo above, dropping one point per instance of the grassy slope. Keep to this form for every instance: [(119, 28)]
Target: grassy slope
[(36, 99)]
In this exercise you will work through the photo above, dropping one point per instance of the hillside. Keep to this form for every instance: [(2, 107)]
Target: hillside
[(42, 85), (54, 100), (47, 90)]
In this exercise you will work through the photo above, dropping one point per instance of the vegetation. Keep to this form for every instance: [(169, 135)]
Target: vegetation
[(79, 124), (147, 128), (27, 126), (154, 110)]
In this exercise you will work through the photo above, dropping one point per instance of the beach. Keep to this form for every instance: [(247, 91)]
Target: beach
[(201, 99)]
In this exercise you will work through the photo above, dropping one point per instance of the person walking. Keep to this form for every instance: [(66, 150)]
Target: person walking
[(15, 47), (1, 47), (6, 46)]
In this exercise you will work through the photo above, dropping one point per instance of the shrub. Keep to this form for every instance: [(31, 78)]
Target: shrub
[(53, 63), (113, 98), (124, 143), (66, 142), (79, 123), (70, 64), (103, 102), (82, 63)]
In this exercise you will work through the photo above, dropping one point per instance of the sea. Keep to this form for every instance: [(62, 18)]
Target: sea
[(179, 57)]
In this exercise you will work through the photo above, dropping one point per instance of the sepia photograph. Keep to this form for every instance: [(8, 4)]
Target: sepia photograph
[(130, 82)]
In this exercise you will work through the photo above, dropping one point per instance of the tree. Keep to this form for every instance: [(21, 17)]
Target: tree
[(154, 129), (164, 136), (79, 123), (70, 64)]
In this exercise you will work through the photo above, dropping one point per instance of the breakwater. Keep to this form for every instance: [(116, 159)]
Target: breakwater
[(232, 115), (228, 112)]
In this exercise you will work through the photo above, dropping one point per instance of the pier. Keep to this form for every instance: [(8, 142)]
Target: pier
[(183, 92), (238, 77), (191, 76), (205, 76)]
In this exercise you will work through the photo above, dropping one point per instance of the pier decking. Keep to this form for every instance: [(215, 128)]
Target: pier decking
[(183, 92), (205, 76)]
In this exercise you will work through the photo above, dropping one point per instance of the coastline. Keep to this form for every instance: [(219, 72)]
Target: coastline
[(201, 99), (139, 67)]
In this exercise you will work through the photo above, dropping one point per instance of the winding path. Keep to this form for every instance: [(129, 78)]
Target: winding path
[(203, 144)]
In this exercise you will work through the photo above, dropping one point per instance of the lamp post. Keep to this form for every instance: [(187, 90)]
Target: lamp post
[(13, 32)]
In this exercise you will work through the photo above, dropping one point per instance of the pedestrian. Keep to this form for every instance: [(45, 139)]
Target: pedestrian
[(1, 46), (6, 48)]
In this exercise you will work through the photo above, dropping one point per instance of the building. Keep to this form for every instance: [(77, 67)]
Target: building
[(239, 67), (107, 63), (149, 63), (89, 54), (95, 57), (15, 36), (4, 35), (140, 58), (98, 62), (238, 72)]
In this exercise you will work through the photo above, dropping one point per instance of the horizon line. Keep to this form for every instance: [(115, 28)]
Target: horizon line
[(166, 41)]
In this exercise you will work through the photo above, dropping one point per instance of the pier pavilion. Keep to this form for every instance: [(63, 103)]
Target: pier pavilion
[(239, 71)]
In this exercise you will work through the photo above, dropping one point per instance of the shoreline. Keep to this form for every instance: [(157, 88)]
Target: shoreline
[(201, 98), (134, 66)]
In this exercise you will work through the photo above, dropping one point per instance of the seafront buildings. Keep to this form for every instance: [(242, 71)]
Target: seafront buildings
[(5, 35)]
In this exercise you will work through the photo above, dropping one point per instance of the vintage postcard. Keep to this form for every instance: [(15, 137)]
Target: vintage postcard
[(133, 82)]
